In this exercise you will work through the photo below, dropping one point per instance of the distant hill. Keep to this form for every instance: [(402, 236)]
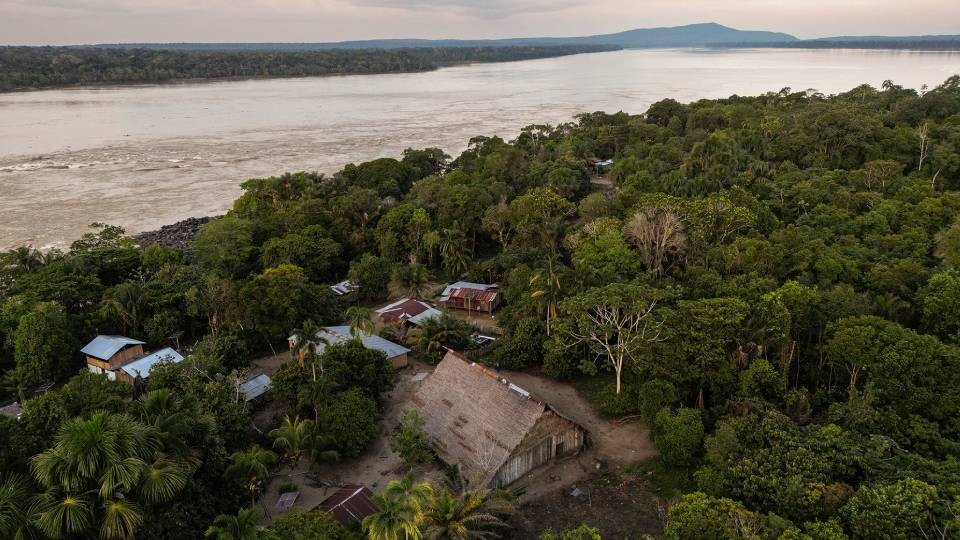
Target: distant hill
[(693, 35)]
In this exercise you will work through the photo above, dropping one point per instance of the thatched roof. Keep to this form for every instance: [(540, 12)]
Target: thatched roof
[(474, 417)]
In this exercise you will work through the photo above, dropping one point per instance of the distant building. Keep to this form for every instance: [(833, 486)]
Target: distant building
[(350, 504), (334, 335), (122, 359), (471, 296), (12, 410), (255, 387), (407, 311), (495, 431), (344, 288)]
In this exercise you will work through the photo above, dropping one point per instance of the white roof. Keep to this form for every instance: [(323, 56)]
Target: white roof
[(255, 387), (142, 366), (104, 347), (445, 295), (344, 287), (341, 334), (396, 309)]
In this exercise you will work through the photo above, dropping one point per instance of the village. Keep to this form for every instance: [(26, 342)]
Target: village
[(538, 437)]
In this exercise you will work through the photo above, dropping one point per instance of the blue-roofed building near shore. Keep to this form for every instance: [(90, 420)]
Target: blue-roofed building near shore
[(397, 354), (122, 358)]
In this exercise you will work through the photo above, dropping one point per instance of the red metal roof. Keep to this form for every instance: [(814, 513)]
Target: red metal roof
[(350, 504), (475, 295)]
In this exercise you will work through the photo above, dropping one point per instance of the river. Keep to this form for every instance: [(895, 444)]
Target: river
[(145, 156)]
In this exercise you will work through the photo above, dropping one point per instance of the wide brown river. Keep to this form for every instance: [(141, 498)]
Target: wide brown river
[(145, 156)]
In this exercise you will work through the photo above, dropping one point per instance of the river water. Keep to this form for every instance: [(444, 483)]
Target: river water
[(145, 156)]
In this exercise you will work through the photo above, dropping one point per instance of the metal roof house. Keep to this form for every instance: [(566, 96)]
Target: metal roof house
[(407, 310), (334, 335), (122, 358), (255, 387), (343, 288), (471, 296), (494, 430), (350, 504)]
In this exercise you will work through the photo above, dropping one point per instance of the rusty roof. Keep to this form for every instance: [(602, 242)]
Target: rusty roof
[(474, 417), (350, 504)]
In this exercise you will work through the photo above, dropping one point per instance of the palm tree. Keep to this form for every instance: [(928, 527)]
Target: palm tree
[(306, 340), (95, 472), (293, 437), (126, 303), (14, 509), (242, 526), (433, 334), (547, 287), (456, 254), (252, 467), (162, 411), (470, 515), (396, 520), (360, 320), (409, 281), (417, 495)]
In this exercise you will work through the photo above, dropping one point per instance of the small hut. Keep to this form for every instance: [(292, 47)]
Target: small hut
[(350, 504), (407, 311), (471, 296)]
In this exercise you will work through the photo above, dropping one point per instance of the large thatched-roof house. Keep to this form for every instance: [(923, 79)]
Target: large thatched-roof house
[(492, 429)]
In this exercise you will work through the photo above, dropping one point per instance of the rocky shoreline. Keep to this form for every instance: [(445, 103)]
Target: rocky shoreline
[(178, 234)]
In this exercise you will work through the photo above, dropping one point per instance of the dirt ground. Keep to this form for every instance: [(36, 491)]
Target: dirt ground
[(622, 507)]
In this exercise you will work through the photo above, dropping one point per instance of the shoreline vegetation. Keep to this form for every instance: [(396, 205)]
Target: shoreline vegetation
[(770, 284), (38, 68)]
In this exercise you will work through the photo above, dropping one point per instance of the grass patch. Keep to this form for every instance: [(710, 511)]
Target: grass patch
[(669, 482)]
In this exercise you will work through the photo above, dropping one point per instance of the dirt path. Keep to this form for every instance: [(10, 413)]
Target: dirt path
[(614, 443)]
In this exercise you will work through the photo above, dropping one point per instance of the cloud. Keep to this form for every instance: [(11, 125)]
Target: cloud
[(492, 9)]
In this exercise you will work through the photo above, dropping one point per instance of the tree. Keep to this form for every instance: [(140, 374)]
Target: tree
[(299, 525), (371, 275), (409, 280), (293, 437), (678, 435), (44, 347), (434, 334), (95, 473), (225, 246), (893, 511), (252, 468), (583, 532), (655, 395), (351, 421), (698, 515), (280, 298), (616, 322), (658, 234), (471, 514), (360, 320), (242, 526), (14, 509), (940, 304), (409, 441), (396, 520)]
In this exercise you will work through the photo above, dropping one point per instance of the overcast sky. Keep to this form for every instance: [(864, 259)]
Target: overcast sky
[(109, 21)]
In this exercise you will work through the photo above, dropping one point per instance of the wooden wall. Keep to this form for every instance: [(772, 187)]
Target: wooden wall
[(551, 437)]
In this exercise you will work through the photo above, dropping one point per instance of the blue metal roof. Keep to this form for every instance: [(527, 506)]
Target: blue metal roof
[(142, 366), (341, 334), (104, 347), (255, 387)]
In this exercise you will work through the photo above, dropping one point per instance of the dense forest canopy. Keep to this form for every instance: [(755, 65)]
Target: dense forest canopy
[(44, 67), (772, 283)]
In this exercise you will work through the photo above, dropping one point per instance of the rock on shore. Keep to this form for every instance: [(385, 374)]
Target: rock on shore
[(178, 234)]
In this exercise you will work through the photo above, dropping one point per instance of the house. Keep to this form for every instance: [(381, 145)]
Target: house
[(350, 504), (334, 335), (407, 311), (122, 358), (254, 387), (343, 288), (495, 431), (471, 296), (13, 410)]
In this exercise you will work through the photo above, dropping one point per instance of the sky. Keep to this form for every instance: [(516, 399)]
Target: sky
[(59, 22)]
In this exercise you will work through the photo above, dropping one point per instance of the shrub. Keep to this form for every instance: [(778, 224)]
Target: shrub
[(678, 436), (655, 395), (410, 441)]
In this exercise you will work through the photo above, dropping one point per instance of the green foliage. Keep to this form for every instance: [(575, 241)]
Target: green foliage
[(654, 396), (372, 275), (280, 298), (410, 442), (583, 532), (762, 381), (44, 346), (894, 511), (678, 435), (351, 421), (698, 515), (299, 525), (225, 246)]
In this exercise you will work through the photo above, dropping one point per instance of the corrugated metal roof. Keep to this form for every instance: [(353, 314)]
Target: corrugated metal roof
[(255, 387), (104, 347), (344, 287), (465, 285), (143, 365), (408, 309), (350, 504), (341, 334), (13, 410)]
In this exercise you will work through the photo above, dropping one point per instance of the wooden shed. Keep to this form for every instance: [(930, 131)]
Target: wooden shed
[(495, 431), (471, 296)]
